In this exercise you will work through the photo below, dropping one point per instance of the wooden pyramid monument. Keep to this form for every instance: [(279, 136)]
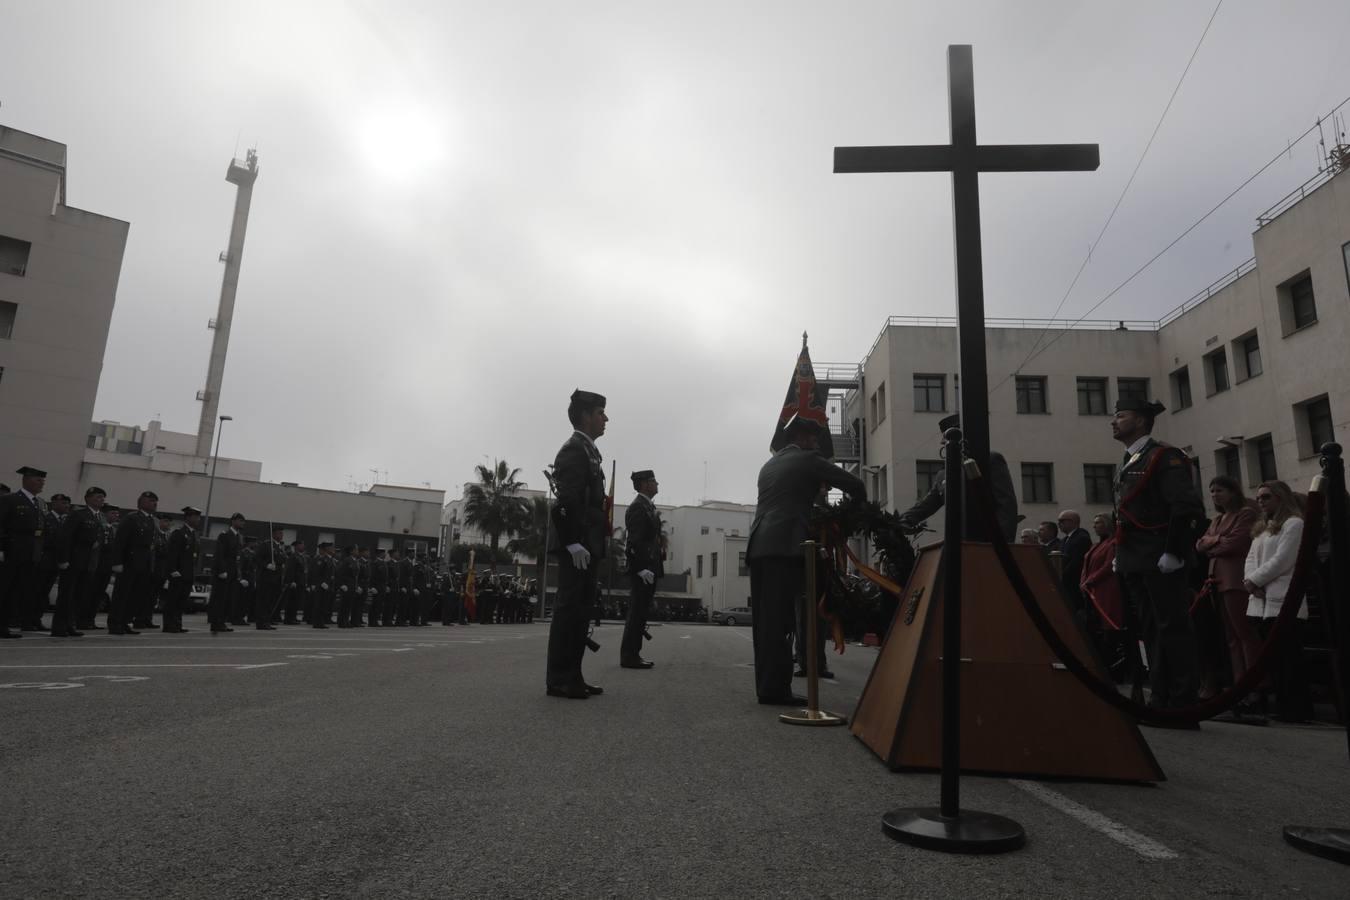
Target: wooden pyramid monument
[(1022, 713)]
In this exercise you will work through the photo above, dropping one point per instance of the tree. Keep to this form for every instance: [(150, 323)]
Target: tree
[(493, 506), (532, 538)]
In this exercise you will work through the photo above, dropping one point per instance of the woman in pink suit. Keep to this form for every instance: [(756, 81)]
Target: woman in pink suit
[(1226, 544)]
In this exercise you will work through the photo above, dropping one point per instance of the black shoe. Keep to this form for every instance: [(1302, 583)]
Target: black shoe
[(290, 621), (145, 625), (112, 629), (266, 627), (217, 629), (319, 625), (572, 693), (826, 674), (130, 630), (636, 664), (789, 700), (74, 633), (592, 688), (800, 673)]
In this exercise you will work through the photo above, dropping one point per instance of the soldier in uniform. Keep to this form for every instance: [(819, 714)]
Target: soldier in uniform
[(578, 539), (1158, 511), (789, 484), (180, 561), (270, 565), (57, 510), (225, 568), (362, 586), (348, 571), (133, 562), (296, 583), (98, 586), (247, 598), (1000, 484), (22, 516), (417, 605), (642, 524), (77, 550), (379, 587), (145, 612), (323, 578)]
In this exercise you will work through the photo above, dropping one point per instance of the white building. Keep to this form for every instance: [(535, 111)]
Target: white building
[(1253, 371), (59, 268)]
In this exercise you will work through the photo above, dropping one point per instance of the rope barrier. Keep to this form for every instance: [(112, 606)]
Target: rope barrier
[(1307, 555)]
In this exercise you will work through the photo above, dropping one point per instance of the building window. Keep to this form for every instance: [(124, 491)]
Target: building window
[(927, 473), (1247, 356), (1031, 394), (1092, 396), (881, 403), (930, 392), (1228, 462), (14, 256), (1038, 483), (1261, 459), (698, 566), (742, 568), (1181, 388), (712, 566), (1316, 427), (8, 312), (703, 529), (1216, 372), (1098, 482), (1132, 389), (883, 487), (1298, 308)]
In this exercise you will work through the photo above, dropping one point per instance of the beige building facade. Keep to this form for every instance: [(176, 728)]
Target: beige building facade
[(59, 268), (1254, 372)]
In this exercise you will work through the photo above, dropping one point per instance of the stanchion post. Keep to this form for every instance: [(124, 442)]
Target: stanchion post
[(947, 827), (1333, 843), (813, 714)]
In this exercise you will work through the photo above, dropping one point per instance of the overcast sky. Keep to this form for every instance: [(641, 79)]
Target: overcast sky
[(465, 210)]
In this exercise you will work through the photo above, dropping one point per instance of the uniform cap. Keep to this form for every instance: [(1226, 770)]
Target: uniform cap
[(95, 490), (149, 495), (588, 399), (191, 511), (642, 475), (56, 497), (38, 473), (1150, 408), (948, 422), (237, 517)]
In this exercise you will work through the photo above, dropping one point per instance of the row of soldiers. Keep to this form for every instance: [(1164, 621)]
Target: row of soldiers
[(270, 583)]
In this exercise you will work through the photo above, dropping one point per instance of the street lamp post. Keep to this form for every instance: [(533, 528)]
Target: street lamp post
[(211, 482)]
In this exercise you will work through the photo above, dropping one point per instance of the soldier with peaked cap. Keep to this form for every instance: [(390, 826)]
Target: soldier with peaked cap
[(379, 587), (1158, 515), (92, 603), (322, 578), (225, 575), (22, 516), (789, 484), (270, 566), (180, 563), (133, 562), (578, 539), (295, 582), (158, 594), (1000, 483), (645, 557), (248, 583), (78, 543), (57, 510)]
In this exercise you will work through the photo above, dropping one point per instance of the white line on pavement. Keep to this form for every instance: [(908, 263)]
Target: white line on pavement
[(1144, 846), (155, 666)]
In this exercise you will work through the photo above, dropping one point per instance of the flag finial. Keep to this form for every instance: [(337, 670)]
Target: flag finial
[(803, 340)]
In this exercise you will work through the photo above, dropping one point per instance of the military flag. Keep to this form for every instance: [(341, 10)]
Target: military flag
[(807, 399)]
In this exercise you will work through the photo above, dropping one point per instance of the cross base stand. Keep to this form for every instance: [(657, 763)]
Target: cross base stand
[(965, 832)]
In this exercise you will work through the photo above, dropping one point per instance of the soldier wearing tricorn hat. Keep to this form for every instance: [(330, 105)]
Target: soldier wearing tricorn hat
[(642, 548)]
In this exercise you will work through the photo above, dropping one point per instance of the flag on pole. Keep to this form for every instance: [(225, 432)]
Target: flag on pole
[(471, 590), (609, 500), (807, 399)]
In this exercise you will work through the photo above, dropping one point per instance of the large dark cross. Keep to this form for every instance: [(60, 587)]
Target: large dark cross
[(965, 159)]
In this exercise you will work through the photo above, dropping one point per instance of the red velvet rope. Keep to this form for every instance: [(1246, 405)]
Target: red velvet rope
[(1293, 601)]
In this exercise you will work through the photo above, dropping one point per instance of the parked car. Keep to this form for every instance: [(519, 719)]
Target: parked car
[(733, 615)]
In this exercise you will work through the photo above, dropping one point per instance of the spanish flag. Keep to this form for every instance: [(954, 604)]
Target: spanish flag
[(807, 399)]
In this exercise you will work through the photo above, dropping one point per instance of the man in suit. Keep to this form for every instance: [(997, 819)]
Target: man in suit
[(57, 510), (578, 539), (133, 560), (22, 517), (646, 564), (1158, 510), (225, 570), (1075, 545), (78, 545), (1000, 483), (789, 484), (180, 563)]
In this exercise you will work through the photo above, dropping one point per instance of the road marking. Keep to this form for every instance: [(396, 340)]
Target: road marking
[(41, 685), (1144, 846), (69, 666), (685, 637), (116, 679)]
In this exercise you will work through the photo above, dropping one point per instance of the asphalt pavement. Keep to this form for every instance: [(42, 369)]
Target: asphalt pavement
[(428, 762)]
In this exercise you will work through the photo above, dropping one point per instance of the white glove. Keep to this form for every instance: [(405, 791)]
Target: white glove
[(271, 567), (1168, 563), (324, 585), (243, 582), (292, 584), (647, 576), (343, 589), (165, 585), (581, 557), (60, 566), (117, 569), (1114, 567), (403, 590), (416, 592), (222, 575), (175, 574)]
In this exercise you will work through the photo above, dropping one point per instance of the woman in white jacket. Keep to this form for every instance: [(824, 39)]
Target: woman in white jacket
[(1266, 575)]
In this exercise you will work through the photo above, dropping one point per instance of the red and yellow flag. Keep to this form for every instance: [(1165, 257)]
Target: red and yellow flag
[(609, 501)]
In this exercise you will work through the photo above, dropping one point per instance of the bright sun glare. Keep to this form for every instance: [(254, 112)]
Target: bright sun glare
[(402, 142)]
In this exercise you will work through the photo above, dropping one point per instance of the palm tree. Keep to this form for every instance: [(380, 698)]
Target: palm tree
[(532, 539), (492, 505)]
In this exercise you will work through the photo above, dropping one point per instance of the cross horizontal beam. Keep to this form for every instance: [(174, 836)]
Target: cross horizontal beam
[(988, 158)]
